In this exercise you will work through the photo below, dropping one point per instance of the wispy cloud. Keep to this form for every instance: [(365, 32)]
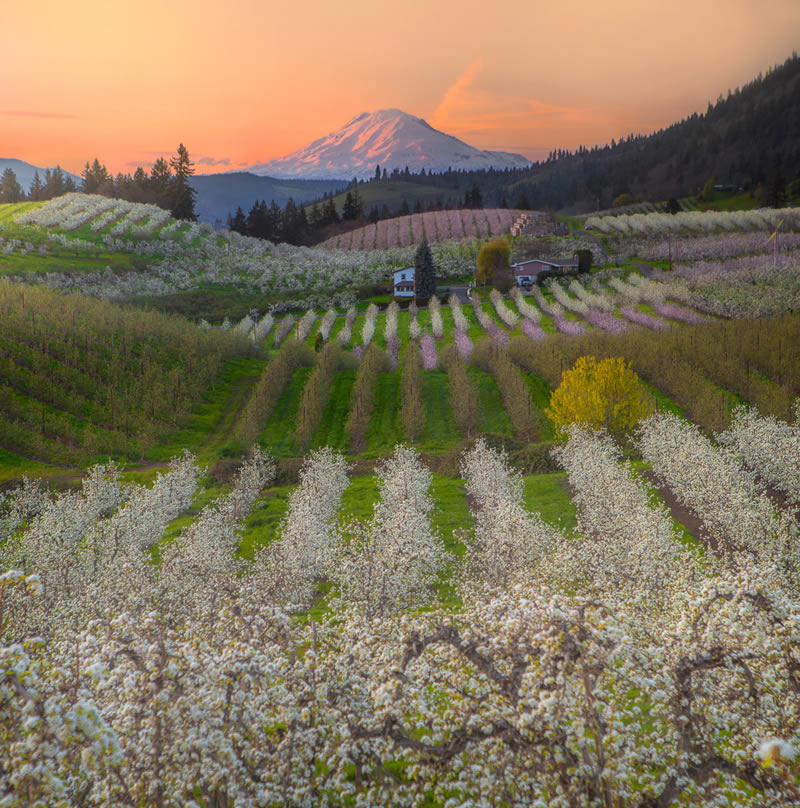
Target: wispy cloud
[(453, 94), (210, 161), (31, 113)]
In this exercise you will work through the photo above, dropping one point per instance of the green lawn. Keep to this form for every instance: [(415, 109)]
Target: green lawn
[(547, 495), (440, 433), (492, 416), (331, 430), (278, 434), (385, 429)]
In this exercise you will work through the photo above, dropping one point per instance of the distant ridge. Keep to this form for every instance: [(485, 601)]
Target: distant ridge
[(390, 138), (25, 172)]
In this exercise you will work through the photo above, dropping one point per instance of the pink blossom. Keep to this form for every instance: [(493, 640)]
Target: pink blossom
[(464, 344), (605, 321), (498, 335), (673, 312), (642, 318), (570, 327), (531, 329), (428, 348)]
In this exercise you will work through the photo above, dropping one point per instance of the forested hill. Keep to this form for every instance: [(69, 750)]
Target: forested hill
[(747, 139)]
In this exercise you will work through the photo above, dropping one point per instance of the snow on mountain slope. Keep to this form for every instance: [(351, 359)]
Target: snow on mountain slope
[(390, 138)]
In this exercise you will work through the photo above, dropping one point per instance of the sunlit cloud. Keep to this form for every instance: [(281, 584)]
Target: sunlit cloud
[(453, 95)]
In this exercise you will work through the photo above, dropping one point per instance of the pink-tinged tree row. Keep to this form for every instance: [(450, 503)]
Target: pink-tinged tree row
[(643, 318), (427, 347), (605, 321), (672, 312), (488, 324)]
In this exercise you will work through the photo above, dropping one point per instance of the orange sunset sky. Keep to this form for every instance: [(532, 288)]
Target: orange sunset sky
[(246, 81)]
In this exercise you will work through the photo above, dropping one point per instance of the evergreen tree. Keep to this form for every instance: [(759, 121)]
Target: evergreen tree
[(97, 179), (54, 184), (35, 192), (329, 213), (182, 194), (257, 223), (377, 173), (404, 211), (292, 223), (477, 199), (140, 187), (274, 219), (238, 223), (160, 180), (358, 205), (522, 202), (424, 272), (10, 189), (348, 211), (374, 215)]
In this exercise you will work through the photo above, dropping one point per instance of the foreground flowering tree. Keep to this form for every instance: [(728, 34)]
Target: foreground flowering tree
[(539, 692), (392, 561)]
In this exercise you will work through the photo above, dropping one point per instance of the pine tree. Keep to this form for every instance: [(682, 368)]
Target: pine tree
[(424, 272), (10, 189), (238, 222), (160, 179), (348, 211), (96, 178), (182, 194), (35, 192)]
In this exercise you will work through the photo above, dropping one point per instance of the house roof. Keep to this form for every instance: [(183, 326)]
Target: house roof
[(402, 269), (553, 262)]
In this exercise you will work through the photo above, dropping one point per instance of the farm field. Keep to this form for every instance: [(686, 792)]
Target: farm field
[(435, 226), (343, 534)]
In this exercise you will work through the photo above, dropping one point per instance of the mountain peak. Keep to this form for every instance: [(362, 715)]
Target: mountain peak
[(390, 138)]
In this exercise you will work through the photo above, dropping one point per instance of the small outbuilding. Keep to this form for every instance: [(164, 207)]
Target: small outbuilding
[(526, 273), (403, 282)]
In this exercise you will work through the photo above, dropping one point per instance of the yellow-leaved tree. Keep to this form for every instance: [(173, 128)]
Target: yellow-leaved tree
[(605, 394)]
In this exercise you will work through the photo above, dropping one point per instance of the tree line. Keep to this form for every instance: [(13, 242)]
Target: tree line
[(167, 184)]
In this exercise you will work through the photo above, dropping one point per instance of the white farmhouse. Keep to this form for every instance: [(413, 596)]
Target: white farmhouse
[(404, 282)]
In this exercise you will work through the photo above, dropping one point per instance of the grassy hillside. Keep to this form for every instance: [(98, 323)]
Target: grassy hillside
[(83, 378)]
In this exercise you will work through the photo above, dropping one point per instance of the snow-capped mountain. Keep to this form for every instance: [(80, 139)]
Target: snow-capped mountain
[(390, 138)]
